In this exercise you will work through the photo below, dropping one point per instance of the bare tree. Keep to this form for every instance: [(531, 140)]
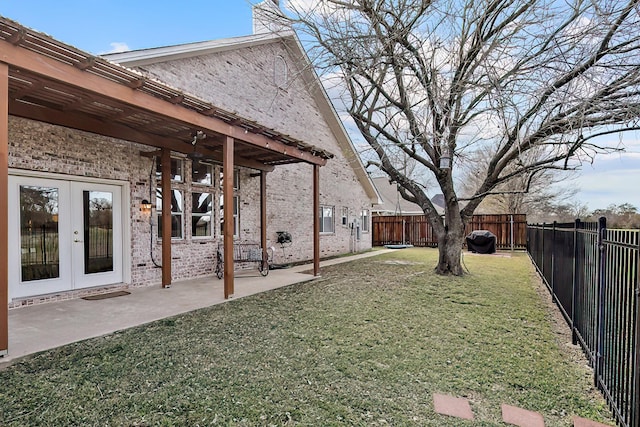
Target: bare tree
[(536, 85), (541, 197)]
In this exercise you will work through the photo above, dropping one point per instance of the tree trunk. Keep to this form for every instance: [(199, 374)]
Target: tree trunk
[(450, 249)]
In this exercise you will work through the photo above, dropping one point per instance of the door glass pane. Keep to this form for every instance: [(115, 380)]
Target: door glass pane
[(98, 231), (39, 240)]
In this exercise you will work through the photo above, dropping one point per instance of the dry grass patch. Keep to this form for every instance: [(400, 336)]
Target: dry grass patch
[(367, 345)]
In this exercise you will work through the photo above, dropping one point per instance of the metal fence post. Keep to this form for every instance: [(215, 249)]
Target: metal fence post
[(553, 263), (542, 251), (574, 285), (635, 397), (597, 365)]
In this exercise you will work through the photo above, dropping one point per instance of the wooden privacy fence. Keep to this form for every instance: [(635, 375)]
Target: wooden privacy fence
[(510, 230), (593, 275)]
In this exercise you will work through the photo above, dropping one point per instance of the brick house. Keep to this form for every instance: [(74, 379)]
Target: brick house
[(85, 140)]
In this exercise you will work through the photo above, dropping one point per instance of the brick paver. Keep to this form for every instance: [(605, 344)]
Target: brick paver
[(452, 406), (583, 422), (521, 417), (460, 408)]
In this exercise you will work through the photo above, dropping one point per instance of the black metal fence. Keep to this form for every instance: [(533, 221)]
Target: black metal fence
[(592, 274)]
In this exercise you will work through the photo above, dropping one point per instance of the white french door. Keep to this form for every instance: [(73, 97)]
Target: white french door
[(63, 235)]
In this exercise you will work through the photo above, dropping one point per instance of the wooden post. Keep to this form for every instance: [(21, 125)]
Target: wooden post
[(165, 160), (316, 220), (4, 209), (227, 200), (263, 218)]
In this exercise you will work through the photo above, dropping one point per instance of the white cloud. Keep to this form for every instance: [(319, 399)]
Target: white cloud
[(117, 47)]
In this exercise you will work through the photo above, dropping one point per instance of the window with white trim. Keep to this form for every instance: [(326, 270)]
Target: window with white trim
[(177, 168), (364, 217), (344, 218), (236, 202), (177, 209), (201, 173), (327, 224), (280, 72), (236, 215), (201, 218), (202, 196)]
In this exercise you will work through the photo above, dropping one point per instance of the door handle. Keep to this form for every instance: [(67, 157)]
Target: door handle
[(77, 241)]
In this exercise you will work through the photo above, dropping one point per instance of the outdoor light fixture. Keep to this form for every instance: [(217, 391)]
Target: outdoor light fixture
[(445, 159), (145, 206), (195, 155), (197, 137)]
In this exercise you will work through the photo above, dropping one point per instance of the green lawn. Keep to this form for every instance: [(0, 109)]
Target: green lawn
[(368, 344)]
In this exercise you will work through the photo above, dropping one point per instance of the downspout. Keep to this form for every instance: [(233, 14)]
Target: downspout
[(166, 217), (316, 220), (151, 198), (4, 209)]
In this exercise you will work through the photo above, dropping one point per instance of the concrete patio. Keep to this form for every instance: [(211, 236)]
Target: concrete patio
[(45, 326)]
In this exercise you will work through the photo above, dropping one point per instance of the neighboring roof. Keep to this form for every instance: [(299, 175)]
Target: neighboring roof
[(56, 83), (394, 204), (168, 53)]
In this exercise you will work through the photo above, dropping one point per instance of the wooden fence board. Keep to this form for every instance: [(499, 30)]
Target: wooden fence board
[(415, 230)]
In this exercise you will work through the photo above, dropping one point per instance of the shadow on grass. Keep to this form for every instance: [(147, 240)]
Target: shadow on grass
[(368, 344)]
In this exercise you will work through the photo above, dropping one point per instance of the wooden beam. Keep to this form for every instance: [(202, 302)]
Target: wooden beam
[(136, 84), (316, 220), (36, 85), (88, 82), (4, 209), (87, 63), (18, 37), (263, 216), (165, 160), (88, 123), (227, 201)]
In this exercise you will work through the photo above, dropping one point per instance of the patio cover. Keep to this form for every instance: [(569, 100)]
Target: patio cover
[(45, 80)]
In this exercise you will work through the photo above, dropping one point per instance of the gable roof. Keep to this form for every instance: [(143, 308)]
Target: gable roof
[(168, 53), (53, 82), (141, 57), (394, 204)]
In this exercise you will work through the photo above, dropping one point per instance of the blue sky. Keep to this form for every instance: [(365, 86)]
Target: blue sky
[(100, 26)]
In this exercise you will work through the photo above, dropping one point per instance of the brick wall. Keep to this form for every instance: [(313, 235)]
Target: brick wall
[(40, 147), (241, 81), (245, 81)]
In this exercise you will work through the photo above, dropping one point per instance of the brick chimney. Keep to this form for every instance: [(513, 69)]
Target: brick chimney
[(267, 18)]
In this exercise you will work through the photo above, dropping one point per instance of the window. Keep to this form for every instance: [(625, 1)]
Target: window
[(326, 219), (176, 213), (201, 209), (365, 221), (236, 180), (176, 170), (201, 173), (236, 215), (345, 216), (280, 72), (236, 203)]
